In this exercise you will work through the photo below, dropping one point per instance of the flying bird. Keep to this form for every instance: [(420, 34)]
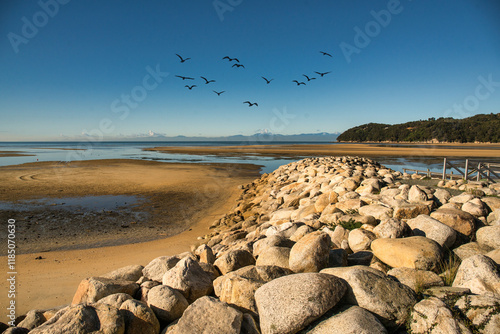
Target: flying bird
[(325, 53), (308, 79), (322, 74), (299, 83), (207, 81), (251, 104), (267, 81), (231, 59), (190, 87), (218, 93), (182, 59), (184, 78), (238, 65)]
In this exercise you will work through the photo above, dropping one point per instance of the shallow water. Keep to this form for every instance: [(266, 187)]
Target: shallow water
[(74, 204)]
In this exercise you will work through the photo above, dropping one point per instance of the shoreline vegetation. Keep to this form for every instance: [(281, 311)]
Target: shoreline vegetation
[(478, 128)]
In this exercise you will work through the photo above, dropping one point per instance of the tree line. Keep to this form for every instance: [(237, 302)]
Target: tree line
[(478, 128)]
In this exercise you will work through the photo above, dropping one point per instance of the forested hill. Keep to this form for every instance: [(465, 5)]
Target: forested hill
[(478, 128)]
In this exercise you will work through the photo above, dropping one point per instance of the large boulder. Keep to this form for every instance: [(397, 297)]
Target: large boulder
[(489, 236), (288, 304), (416, 195), (209, 315), (372, 290), (360, 239), (408, 211), (431, 228), (115, 300), (189, 278), (83, 319), (92, 289), (310, 254), (167, 303), (274, 256), (482, 311), (352, 320), (392, 228), (271, 241), (155, 269), (431, 315), (417, 280), (238, 287), (470, 249), (378, 211), (128, 273), (478, 273), (233, 260), (205, 254), (413, 252), (139, 318), (461, 221)]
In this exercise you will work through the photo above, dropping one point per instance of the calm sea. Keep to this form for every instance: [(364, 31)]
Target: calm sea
[(74, 151)]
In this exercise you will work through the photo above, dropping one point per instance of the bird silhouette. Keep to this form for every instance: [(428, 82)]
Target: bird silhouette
[(299, 83), (325, 53), (231, 59), (218, 93), (184, 78), (322, 74), (251, 104), (182, 59), (267, 81), (309, 79), (190, 87), (207, 81), (238, 65)]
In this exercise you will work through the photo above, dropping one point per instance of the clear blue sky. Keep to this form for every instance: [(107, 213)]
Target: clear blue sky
[(70, 76)]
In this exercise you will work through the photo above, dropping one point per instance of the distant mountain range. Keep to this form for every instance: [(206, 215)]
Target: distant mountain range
[(263, 138), (479, 128)]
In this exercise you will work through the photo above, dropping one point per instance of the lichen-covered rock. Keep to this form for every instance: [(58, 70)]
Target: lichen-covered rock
[(489, 236), (288, 304), (433, 316), (482, 310), (480, 274), (372, 290), (392, 228)]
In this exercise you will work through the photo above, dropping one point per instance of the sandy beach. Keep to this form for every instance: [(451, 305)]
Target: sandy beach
[(176, 197), (368, 150)]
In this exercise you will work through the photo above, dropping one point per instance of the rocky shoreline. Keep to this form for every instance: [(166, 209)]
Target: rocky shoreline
[(322, 245)]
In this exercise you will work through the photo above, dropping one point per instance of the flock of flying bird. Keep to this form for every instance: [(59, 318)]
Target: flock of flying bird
[(237, 64)]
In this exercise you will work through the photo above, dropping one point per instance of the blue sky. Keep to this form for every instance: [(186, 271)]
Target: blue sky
[(74, 69)]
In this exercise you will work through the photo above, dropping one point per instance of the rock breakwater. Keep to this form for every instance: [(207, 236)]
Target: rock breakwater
[(322, 245)]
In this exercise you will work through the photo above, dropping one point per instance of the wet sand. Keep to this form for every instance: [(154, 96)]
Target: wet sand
[(188, 197), (368, 150)]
